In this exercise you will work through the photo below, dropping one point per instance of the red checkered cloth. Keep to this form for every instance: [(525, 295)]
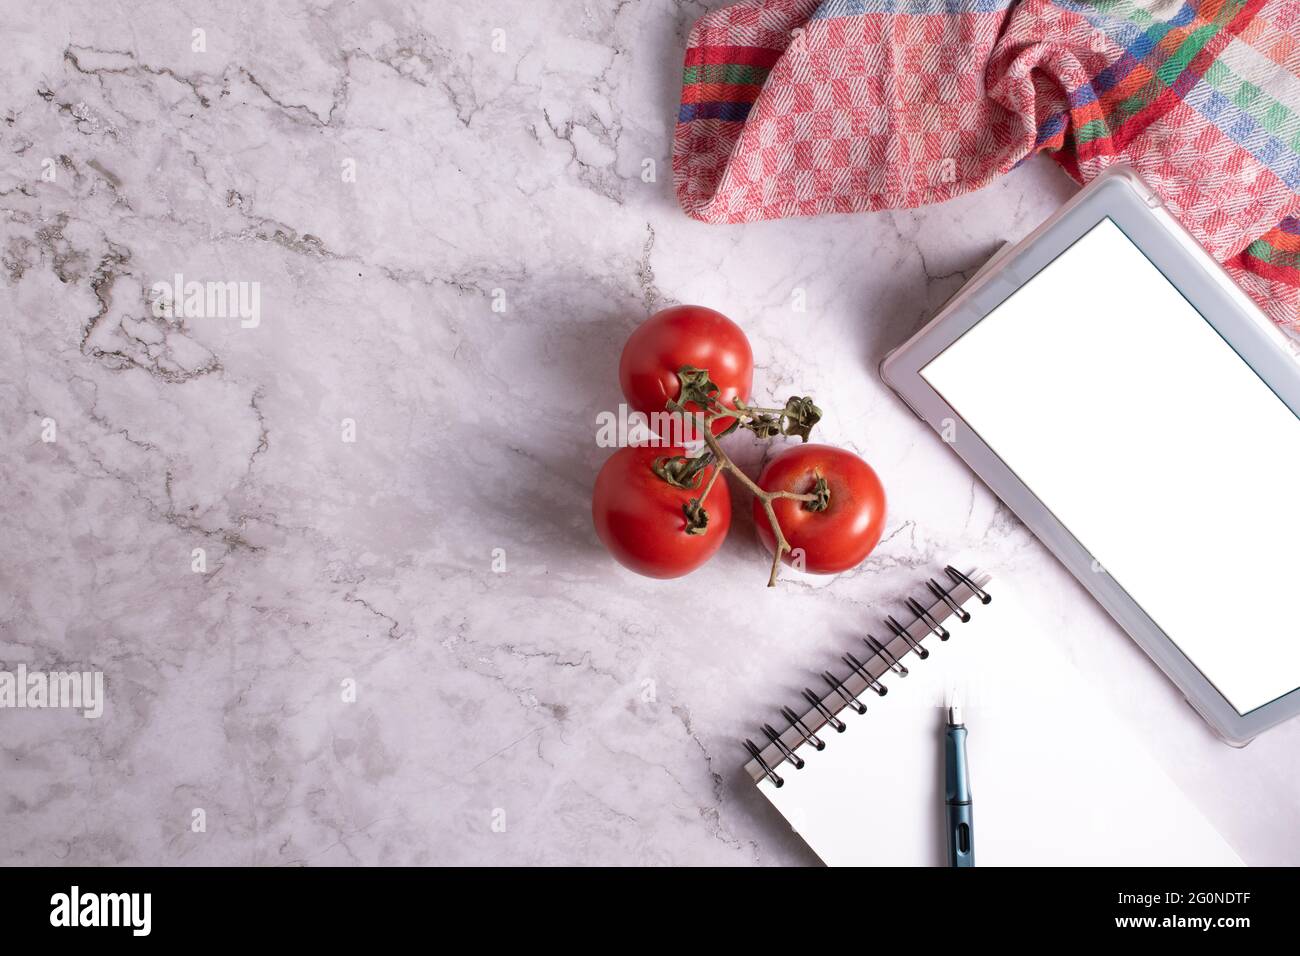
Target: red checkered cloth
[(801, 107)]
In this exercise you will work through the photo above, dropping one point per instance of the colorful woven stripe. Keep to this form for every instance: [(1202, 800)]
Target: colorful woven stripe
[(795, 107), (722, 82), (1276, 254)]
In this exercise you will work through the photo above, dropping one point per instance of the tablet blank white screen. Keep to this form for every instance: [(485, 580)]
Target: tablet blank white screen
[(1155, 444)]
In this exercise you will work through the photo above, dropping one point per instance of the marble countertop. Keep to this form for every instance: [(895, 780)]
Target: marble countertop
[(401, 642)]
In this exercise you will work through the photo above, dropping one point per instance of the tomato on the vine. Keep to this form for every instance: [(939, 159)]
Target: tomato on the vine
[(685, 335), (840, 536), (642, 520)]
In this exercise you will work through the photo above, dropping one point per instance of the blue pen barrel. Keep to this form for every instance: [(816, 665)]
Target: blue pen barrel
[(961, 813)]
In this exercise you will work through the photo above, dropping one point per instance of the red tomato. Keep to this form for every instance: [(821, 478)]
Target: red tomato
[(685, 335), (639, 516), (843, 535)]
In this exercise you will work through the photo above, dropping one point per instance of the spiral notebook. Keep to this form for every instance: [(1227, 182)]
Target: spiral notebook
[(1057, 778)]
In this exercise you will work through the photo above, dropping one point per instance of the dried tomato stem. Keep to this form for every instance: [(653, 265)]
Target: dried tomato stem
[(723, 462), (709, 487), (726, 411)]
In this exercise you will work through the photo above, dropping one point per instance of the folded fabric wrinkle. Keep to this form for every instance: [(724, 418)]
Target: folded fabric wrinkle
[(801, 107)]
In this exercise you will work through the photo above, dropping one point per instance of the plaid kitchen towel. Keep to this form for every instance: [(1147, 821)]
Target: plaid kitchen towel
[(800, 107)]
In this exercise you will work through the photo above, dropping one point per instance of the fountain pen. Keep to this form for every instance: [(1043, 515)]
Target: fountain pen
[(960, 811)]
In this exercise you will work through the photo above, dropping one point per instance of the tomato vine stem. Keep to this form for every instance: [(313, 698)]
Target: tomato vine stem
[(723, 462), (797, 418)]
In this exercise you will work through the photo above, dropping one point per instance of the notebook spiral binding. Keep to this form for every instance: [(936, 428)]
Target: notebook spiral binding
[(823, 710)]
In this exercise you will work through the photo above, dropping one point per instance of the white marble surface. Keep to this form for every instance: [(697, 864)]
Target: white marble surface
[(481, 696)]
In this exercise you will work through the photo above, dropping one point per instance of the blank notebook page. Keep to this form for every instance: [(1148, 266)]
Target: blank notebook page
[(1056, 778)]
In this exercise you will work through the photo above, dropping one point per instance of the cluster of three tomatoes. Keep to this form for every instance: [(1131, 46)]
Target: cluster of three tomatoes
[(642, 519)]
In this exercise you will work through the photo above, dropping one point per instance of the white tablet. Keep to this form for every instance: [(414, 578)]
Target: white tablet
[(1108, 380)]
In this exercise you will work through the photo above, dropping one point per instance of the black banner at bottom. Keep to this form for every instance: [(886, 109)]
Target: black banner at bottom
[(333, 906)]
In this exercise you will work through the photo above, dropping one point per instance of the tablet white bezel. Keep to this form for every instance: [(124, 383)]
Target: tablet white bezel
[(1122, 197)]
